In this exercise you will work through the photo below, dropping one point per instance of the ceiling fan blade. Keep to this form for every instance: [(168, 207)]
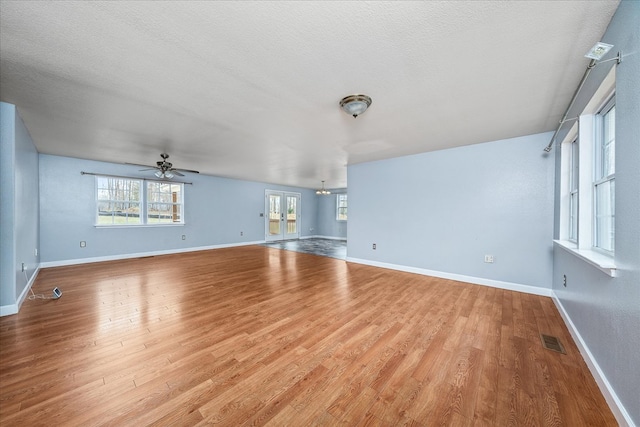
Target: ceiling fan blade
[(150, 169), (185, 170), (138, 164), (175, 172)]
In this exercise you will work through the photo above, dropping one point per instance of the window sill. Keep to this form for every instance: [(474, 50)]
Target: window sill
[(140, 225), (601, 261)]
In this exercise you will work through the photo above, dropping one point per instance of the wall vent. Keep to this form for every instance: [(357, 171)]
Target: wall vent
[(552, 343)]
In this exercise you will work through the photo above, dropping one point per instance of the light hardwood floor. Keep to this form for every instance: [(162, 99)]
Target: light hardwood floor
[(255, 335)]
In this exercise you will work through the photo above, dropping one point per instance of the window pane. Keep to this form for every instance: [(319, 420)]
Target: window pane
[(573, 217), (609, 143), (573, 179), (117, 201), (605, 203), (341, 207), (164, 203)]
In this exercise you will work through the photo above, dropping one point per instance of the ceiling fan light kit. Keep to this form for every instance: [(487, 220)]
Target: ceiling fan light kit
[(165, 169), (164, 175), (355, 105)]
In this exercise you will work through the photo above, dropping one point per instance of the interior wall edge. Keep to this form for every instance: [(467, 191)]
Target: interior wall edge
[(616, 406), (517, 287), (67, 262), (7, 310)]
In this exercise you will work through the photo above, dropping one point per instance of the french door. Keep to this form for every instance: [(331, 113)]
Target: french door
[(282, 220)]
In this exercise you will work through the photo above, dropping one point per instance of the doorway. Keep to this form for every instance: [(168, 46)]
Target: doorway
[(282, 221)]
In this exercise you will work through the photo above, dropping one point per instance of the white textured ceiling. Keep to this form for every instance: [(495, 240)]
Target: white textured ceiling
[(250, 90)]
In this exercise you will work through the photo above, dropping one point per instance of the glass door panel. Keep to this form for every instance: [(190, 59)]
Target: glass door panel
[(275, 214), (292, 231)]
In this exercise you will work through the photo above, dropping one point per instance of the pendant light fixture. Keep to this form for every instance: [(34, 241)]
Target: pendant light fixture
[(355, 105), (322, 191)]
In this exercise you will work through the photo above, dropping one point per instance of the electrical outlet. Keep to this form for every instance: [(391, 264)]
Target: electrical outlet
[(374, 246), (83, 244), (23, 267), (564, 280), (35, 252), (489, 258), (184, 237), (242, 233)]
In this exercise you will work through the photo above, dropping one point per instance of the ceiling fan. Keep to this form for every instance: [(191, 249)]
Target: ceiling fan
[(165, 169)]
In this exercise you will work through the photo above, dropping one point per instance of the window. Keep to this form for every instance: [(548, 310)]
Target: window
[(587, 186), (125, 201), (573, 191), (164, 203), (341, 207), (118, 201), (604, 177)]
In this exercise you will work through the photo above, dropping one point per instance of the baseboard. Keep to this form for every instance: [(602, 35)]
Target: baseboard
[(7, 310), (459, 277), (619, 411), (143, 254), (324, 237)]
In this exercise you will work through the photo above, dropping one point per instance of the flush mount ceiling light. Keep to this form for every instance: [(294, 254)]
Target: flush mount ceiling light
[(355, 105), (598, 51), (322, 191)]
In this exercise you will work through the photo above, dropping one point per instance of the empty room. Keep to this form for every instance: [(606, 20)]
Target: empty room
[(320, 213)]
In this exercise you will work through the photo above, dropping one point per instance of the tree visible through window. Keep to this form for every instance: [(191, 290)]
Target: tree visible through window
[(125, 201), (341, 203), (118, 201), (164, 202)]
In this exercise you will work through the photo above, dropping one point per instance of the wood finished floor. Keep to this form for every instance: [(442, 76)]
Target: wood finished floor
[(255, 335)]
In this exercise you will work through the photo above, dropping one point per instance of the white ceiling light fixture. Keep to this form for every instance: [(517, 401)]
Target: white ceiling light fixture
[(322, 191), (598, 51), (355, 105), (164, 175)]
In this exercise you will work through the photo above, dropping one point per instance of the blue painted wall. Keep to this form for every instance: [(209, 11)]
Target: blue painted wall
[(216, 211), (605, 310), (19, 230), (328, 225), (445, 210)]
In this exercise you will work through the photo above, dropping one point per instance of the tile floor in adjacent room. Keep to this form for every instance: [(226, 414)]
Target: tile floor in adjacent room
[(324, 247)]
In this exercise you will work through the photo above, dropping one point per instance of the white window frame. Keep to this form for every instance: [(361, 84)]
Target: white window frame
[(602, 177), (339, 206), (176, 205), (143, 202), (585, 132), (574, 199), (118, 200)]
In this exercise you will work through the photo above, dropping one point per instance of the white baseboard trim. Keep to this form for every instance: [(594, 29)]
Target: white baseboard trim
[(619, 411), (546, 292), (7, 310), (324, 237), (65, 262)]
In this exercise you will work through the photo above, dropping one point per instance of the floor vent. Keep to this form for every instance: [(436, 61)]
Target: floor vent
[(552, 343)]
